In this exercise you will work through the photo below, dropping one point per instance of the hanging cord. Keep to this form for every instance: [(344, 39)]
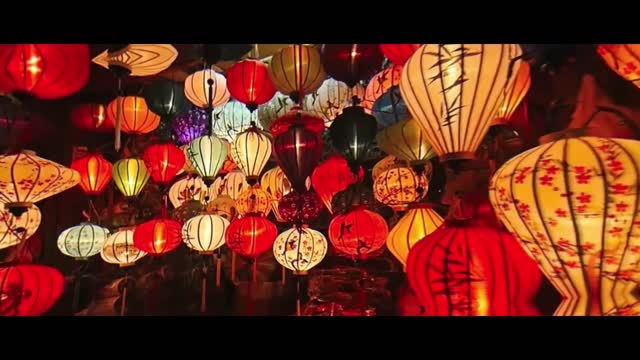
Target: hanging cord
[(120, 98), (123, 303), (218, 258), (78, 275), (203, 286), (298, 297)]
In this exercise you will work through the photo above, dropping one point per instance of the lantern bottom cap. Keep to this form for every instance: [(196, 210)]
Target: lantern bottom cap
[(462, 155), (81, 258), (126, 265), (300, 272), (17, 208), (207, 252)]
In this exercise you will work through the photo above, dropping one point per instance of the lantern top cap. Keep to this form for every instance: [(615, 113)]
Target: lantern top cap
[(567, 134)]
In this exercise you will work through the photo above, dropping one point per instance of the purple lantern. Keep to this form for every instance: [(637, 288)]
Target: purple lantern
[(190, 125)]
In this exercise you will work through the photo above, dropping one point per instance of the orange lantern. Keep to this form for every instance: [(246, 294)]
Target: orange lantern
[(358, 232), (254, 200), (158, 236), (380, 83), (624, 59), (251, 236), (95, 173), (513, 96), (135, 116)]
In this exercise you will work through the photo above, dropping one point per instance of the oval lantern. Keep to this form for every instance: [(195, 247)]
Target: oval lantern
[(204, 86), (46, 71), (351, 63), (205, 233), (398, 54), (166, 98), (623, 59), (14, 229), (380, 84), (513, 96), (207, 154), (135, 116), (279, 105), (406, 141), (82, 241), (389, 108), (329, 100), (297, 152), (300, 208), (400, 186), (254, 200), (330, 177), (130, 176), (231, 119), (358, 233), (297, 116), (388, 162), (250, 236), (118, 249), (138, 59), (163, 162), (91, 117), (234, 183), (300, 249), (158, 236), (29, 289), (296, 71), (251, 150), (248, 82), (276, 184), (190, 126), (352, 133), (188, 188), (95, 173)]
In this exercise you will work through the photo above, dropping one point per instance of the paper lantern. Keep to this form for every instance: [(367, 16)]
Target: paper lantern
[(217, 188), (296, 71), (279, 105), (91, 117), (231, 119), (512, 97), (381, 83), (95, 173), (351, 63), (191, 125), (234, 184), (138, 59), (400, 186), (358, 232), (329, 100), (135, 116), (163, 162), (250, 236), (46, 71), (276, 184), (28, 289), (26, 179), (205, 233), (188, 166), (251, 150), (254, 200), (130, 176), (82, 241), (330, 177), (573, 203), (206, 84), (300, 208), (188, 188), (118, 249), (405, 140), (14, 229), (623, 59), (300, 249), (166, 98), (248, 82), (207, 154), (158, 236), (224, 206), (297, 152), (388, 162), (389, 108), (454, 91), (398, 53), (419, 221), (297, 116), (352, 133)]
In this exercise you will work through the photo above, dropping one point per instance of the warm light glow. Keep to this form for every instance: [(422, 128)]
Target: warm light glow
[(130, 176), (406, 141), (82, 241), (95, 173), (400, 186), (624, 59), (300, 249), (207, 154), (296, 70), (231, 119), (329, 100), (15, 229), (254, 200), (512, 97), (276, 184), (205, 233), (224, 206), (380, 83), (234, 183), (198, 90), (28, 289), (157, 237), (163, 161), (279, 105), (118, 249), (139, 59), (251, 236), (330, 177), (135, 116), (188, 188), (251, 150), (358, 233)]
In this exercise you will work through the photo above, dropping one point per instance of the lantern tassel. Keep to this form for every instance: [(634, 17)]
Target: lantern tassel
[(123, 304), (233, 267), (254, 271), (118, 115), (298, 307), (203, 295), (284, 275), (218, 269)]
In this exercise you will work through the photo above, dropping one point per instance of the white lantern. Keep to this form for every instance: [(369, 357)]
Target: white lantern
[(329, 100), (14, 229), (300, 249), (207, 154), (82, 241), (251, 151), (188, 188), (205, 233), (231, 119), (197, 89), (234, 184), (217, 188), (279, 105), (118, 249)]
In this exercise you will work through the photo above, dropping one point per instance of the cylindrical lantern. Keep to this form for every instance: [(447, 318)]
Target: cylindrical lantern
[(419, 221), (351, 63), (400, 186), (572, 202), (163, 161), (15, 229), (234, 184), (251, 151), (380, 84), (232, 118), (29, 289), (513, 96), (389, 108), (276, 184), (352, 133), (91, 117), (82, 241), (191, 125), (299, 249), (130, 176), (398, 53), (300, 208), (95, 173), (205, 233), (207, 154), (166, 98), (158, 236), (135, 116), (296, 71), (297, 116), (248, 82), (297, 152), (358, 232), (406, 140), (188, 188), (279, 105), (254, 200), (330, 177), (224, 206), (329, 100), (118, 249), (454, 91), (251, 235), (624, 59), (206, 84)]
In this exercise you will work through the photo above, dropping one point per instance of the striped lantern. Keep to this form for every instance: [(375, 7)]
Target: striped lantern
[(512, 97), (296, 71), (207, 155), (205, 233), (118, 249), (198, 90), (135, 115), (130, 176), (299, 249), (82, 241), (251, 150), (231, 119), (406, 141)]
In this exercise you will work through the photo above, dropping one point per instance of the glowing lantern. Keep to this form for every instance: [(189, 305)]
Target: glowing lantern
[(189, 188), (300, 249), (188, 166), (297, 116), (513, 96), (352, 133), (330, 177), (406, 141), (91, 117), (205, 233), (166, 98), (296, 70), (358, 232), (187, 210), (207, 154), (388, 162), (234, 184), (572, 203), (44, 70), (329, 100), (224, 206), (400, 186), (231, 119), (279, 105), (250, 236), (158, 236), (206, 84), (454, 91), (297, 152), (398, 53), (138, 59), (163, 161), (82, 241), (420, 221), (300, 208), (351, 63), (248, 82), (191, 125), (130, 176), (135, 116), (251, 151), (28, 289), (276, 184), (95, 173), (254, 200), (389, 108), (358, 194), (623, 59), (381, 83), (217, 188), (14, 229), (118, 249)]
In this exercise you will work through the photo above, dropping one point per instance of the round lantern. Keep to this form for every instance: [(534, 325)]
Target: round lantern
[(163, 161), (513, 96), (297, 152), (130, 176), (207, 155), (330, 177), (419, 221), (217, 188), (158, 236), (398, 53), (248, 82), (232, 118), (358, 232), (572, 203), (250, 236), (329, 100), (224, 206), (389, 108), (351, 63), (296, 70), (138, 59), (251, 151), (46, 71), (276, 184), (234, 184), (623, 59), (400, 186), (188, 188), (388, 162), (297, 116), (15, 229), (191, 125), (254, 200), (118, 249), (28, 289), (300, 208), (454, 91), (300, 249), (91, 117), (405, 140), (187, 210), (95, 173), (205, 85), (135, 116), (279, 105), (166, 98), (82, 241), (188, 166), (352, 133), (205, 233), (380, 84)]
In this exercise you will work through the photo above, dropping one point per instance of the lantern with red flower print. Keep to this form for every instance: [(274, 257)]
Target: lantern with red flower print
[(398, 53), (163, 161), (248, 81), (46, 71), (351, 63), (297, 116), (91, 117), (297, 152), (28, 289), (95, 173), (300, 208), (158, 236), (251, 236), (358, 233), (332, 176)]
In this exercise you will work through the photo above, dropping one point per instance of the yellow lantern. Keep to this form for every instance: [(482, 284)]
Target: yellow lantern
[(188, 188), (234, 184), (572, 202), (300, 249), (328, 101), (232, 118), (400, 186), (406, 141), (118, 249), (276, 184), (624, 59), (205, 233), (138, 59), (296, 70), (419, 221), (198, 90), (388, 162), (14, 229), (130, 176), (454, 91), (251, 151), (512, 97), (82, 241), (207, 154), (254, 200), (224, 206)]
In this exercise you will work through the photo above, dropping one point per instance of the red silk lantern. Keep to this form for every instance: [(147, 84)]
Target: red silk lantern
[(398, 54), (46, 71), (248, 81), (332, 176), (95, 173), (351, 63), (28, 289), (163, 161), (297, 152), (158, 236), (300, 208), (358, 233), (297, 116), (91, 117), (251, 236)]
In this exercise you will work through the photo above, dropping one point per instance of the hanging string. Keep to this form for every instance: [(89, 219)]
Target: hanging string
[(298, 296), (203, 294), (233, 267), (120, 98), (123, 304), (218, 258)]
